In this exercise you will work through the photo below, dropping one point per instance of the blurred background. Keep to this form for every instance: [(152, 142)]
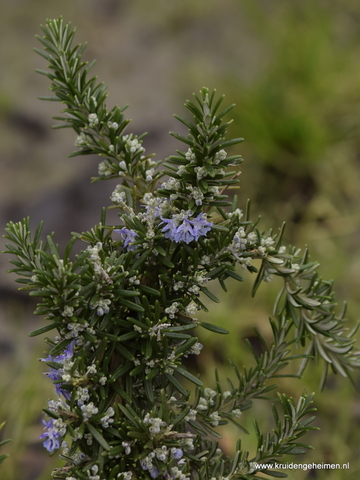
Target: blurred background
[(292, 69)]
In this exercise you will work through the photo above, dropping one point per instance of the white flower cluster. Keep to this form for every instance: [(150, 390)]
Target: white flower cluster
[(171, 184), (266, 244), (172, 309), (113, 125), (155, 330), (176, 473), (242, 241), (236, 213), (162, 453), (82, 396), (94, 252), (68, 311), (219, 156), (76, 329), (58, 405), (149, 174), (215, 419), (164, 364), (107, 419), (102, 306), (239, 241), (207, 400), (91, 369), (181, 170), (104, 168), (147, 464), (118, 196), (198, 279), (192, 308), (155, 207), (196, 194), (156, 424), (124, 476), (93, 473), (59, 426), (93, 120), (196, 348), (88, 411), (127, 447), (190, 156), (200, 172), (191, 415), (132, 144), (205, 260), (66, 370), (134, 280), (178, 285), (96, 261), (82, 140)]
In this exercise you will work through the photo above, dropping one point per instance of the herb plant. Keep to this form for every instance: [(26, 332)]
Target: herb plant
[(124, 309)]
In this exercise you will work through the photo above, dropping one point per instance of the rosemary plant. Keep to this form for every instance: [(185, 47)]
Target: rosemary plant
[(124, 309)]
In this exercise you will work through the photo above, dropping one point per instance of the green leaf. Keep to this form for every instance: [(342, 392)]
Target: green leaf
[(258, 280), (210, 294), (189, 376), (121, 393), (233, 274), (98, 437), (130, 415), (60, 347), (149, 290), (127, 336), (177, 385), (45, 329), (120, 371), (149, 390), (124, 352), (184, 347), (180, 336), (214, 328), (3, 457), (131, 305)]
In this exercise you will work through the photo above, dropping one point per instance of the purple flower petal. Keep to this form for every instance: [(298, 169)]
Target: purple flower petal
[(188, 230), (52, 437), (128, 236)]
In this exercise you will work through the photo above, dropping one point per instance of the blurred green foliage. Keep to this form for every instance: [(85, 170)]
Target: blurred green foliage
[(292, 69)]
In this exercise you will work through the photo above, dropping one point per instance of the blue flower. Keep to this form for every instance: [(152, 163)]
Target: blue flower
[(128, 236), (186, 231), (154, 472), (177, 453), (52, 441), (56, 373), (170, 227), (200, 226)]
